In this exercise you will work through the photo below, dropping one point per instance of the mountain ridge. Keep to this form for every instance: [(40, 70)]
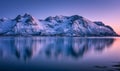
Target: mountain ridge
[(74, 25)]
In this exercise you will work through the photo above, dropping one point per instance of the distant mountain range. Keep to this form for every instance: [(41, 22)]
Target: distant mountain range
[(74, 25)]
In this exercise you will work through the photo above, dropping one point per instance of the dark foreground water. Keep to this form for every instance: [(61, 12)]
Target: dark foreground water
[(59, 54)]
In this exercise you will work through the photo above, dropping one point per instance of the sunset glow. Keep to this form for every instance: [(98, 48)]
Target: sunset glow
[(106, 11)]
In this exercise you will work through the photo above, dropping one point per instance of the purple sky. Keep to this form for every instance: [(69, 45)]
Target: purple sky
[(107, 11)]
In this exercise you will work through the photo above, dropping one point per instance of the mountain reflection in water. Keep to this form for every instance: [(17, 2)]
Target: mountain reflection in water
[(51, 47)]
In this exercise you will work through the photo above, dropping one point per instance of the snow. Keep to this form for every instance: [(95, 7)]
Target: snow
[(6, 26), (59, 25)]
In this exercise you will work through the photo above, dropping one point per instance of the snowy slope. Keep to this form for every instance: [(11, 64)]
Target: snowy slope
[(6, 26), (59, 25), (26, 25)]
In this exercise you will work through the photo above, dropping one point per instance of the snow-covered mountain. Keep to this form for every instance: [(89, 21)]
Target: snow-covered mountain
[(59, 25)]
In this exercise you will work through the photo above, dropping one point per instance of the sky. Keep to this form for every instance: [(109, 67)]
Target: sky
[(107, 11)]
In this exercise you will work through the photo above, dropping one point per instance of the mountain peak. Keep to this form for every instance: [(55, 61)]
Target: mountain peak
[(59, 16), (26, 15), (3, 19), (76, 16), (49, 18), (18, 18)]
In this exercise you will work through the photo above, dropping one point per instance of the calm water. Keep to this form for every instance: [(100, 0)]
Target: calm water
[(59, 53)]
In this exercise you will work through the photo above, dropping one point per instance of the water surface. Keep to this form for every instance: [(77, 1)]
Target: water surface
[(59, 53)]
